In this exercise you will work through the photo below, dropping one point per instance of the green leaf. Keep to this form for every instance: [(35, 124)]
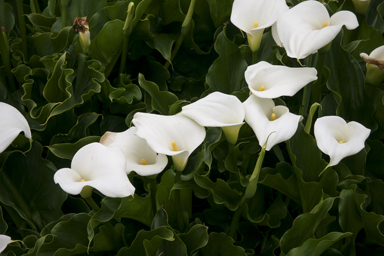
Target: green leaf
[(26, 184), (316, 247), (41, 21), (7, 20), (227, 72), (221, 244), (108, 43), (304, 226), (220, 11), (68, 150), (374, 16), (3, 224), (49, 43), (195, 238), (160, 100)]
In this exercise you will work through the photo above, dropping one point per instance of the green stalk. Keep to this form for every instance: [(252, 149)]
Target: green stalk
[(37, 7), (32, 4), (319, 65), (184, 31), (254, 57), (179, 209), (307, 92), (235, 219), (64, 5), (153, 188), (127, 32), (20, 223), (23, 31), (4, 48), (92, 203)]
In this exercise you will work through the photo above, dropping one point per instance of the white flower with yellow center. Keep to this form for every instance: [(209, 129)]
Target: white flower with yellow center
[(272, 81), (339, 139), (12, 122), (307, 27), (99, 167), (4, 241), (266, 119), (176, 136), (140, 157), (253, 16), (218, 110)]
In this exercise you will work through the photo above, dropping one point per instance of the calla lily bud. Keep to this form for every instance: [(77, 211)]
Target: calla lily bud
[(128, 20), (339, 139), (4, 241), (269, 122), (307, 27), (375, 66), (12, 123), (361, 6), (81, 26), (272, 81), (140, 157), (218, 110), (96, 166), (253, 16)]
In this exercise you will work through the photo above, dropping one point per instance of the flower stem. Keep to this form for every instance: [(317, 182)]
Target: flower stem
[(254, 57), (92, 203), (153, 188), (179, 209), (235, 219), (4, 48), (316, 88), (127, 32), (64, 5), (307, 92), (23, 31), (185, 27)]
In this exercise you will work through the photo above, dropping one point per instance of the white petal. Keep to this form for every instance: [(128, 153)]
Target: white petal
[(135, 150), (4, 241), (11, 124), (160, 131), (216, 110), (257, 113), (101, 167), (277, 80), (300, 28), (378, 53), (346, 18), (329, 130)]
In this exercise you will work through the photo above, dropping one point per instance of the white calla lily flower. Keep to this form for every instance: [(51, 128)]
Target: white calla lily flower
[(11, 124), (253, 16), (272, 81), (4, 241), (339, 139), (266, 119), (307, 27), (99, 167), (176, 136), (140, 157), (375, 65), (218, 110)]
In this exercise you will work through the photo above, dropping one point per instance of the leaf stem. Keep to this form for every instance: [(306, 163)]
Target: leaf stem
[(4, 48), (179, 209), (23, 31), (64, 5)]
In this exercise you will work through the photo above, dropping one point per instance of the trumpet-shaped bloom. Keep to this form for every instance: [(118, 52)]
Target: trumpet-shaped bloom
[(269, 81), (375, 65), (99, 167), (307, 27), (140, 157), (12, 122), (4, 241), (176, 136), (253, 16), (218, 110), (266, 119), (338, 139)]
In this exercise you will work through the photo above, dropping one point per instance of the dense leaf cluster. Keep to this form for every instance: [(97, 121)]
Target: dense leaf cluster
[(71, 98)]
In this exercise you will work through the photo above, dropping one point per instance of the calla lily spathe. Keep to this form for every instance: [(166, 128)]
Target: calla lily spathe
[(12, 122), (272, 81), (266, 119), (375, 65), (253, 16), (339, 139), (218, 110), (4, 241), (176, 136), (99, 167), (140, 157), (307, 27)]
